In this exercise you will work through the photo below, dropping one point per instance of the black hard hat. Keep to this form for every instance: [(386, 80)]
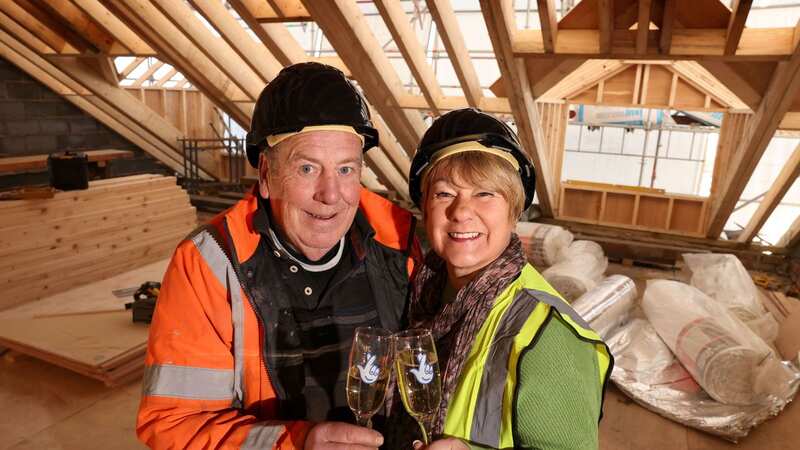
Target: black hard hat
[(308, 94), (465, 125)]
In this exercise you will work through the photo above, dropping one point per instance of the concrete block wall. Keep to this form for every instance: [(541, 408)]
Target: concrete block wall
[(34, 120)]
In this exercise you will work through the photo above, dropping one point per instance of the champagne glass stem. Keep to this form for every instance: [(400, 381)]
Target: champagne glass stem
[(426, 424), (364, 420)]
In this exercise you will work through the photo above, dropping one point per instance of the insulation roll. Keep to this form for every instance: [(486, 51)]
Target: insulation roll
[(575, 276), (608, 305), (543, 243), (720, 352)]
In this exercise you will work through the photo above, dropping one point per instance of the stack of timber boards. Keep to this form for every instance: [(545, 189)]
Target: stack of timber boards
[(48, 246), (86, 329)]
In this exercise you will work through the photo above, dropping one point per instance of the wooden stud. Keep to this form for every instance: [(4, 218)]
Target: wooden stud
[(643, 26), (739, 11), (605, 21), (549, 24), (673, 85), (645, 84)]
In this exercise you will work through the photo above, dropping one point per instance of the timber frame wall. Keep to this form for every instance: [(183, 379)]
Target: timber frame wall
[(659, 53)]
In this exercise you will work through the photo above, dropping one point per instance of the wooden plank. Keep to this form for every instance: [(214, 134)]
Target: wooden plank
[(131, 67), (450, 33), (643, 26), (165, 78), (783, 182), (346, 28), (739, 11), (500, 23), (756, 44), (114, 27), (39, 162), (784, 86), (549, 24), (255, 54), (394, 16)]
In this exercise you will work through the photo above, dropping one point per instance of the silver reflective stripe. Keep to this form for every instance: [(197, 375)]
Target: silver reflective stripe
[(197, 383), (220, 265), (263, 435), (560, 305), (488, 412)]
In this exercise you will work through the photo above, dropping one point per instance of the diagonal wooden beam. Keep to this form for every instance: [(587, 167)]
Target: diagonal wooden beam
[(274, 36), (739, 11), (131, 67), (394, 16), (147, 74), (23, 34), (347, 30), (80, 23), (450, 33), (728, 76), (777, 191), (791, 238), (173, 46), (107, 112), (605, 24), (106, 68), (643, 26), (114, 27), (500, 23), (219, 52), (549, 24), (254, 54), (783, 88), (167, 76), (41, 12), (37, 28)]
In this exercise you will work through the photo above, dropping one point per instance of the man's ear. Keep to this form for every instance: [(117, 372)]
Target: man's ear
[(263, 171)]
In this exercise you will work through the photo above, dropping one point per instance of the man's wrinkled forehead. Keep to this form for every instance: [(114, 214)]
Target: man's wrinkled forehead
[(321, 146)]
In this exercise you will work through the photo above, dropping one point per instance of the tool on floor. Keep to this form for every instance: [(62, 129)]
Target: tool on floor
[(144, 301)]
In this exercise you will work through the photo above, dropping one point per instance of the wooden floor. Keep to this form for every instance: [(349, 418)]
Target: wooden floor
[(46, 407)]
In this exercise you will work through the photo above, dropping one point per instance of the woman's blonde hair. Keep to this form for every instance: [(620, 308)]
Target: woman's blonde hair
[(482, 169)]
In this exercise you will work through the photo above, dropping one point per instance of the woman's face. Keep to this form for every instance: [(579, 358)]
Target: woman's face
[(468, 226)]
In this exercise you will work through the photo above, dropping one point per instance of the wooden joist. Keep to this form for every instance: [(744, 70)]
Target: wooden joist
[(500, 23), (643, 26), (114, 27), (547, 18), (739, 11), (783, 88)]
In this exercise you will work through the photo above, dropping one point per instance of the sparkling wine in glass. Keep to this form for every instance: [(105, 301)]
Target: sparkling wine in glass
[(418, 378), (368, 375)]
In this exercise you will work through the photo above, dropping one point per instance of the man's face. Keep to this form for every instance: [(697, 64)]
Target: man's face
[(314, 190)]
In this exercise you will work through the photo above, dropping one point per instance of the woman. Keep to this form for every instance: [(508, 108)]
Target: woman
[(519, 367)]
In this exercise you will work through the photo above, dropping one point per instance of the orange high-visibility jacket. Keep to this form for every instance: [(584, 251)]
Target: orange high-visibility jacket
[(206, 384)]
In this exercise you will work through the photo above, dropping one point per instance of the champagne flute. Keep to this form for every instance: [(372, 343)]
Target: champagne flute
[(370, 366), (418, 379)]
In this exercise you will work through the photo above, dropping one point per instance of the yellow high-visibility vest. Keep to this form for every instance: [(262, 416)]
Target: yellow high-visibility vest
[(480, 410)]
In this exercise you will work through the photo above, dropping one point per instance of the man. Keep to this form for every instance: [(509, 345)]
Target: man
[(249, 343)]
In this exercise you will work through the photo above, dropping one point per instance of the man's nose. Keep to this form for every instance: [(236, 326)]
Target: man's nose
[(328, 189)]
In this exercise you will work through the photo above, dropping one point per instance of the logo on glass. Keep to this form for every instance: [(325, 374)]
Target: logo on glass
[(369, 372), (423, 374)]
